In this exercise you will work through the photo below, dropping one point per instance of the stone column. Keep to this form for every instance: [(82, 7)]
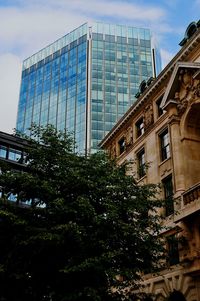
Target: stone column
[(176, 148)]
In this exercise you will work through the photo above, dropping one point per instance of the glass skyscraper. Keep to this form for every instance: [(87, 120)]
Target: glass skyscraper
[(85, 81)]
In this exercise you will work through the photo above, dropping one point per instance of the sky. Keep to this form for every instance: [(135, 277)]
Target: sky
[(26, 26)]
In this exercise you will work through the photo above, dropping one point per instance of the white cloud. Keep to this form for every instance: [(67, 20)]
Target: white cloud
[(37, 22), (120, 9), (10, 71), (27, 30), (28, 26), (23, 32), (166, 57), (112, 8), (33, 24)]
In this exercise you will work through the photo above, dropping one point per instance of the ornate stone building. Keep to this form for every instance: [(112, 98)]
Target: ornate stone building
[(162, 130)]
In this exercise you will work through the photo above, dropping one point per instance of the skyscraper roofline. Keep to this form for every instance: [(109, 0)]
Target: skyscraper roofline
[(56, 45), (97, 27)]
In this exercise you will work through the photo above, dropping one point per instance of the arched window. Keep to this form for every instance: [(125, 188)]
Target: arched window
[(176, 296)]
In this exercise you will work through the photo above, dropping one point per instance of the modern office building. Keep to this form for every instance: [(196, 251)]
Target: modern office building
[(161, 133), (85, 81), (13, 154), (12, 150)]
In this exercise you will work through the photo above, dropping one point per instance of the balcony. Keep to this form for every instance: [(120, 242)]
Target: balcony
[(192, 194), (190, 203)]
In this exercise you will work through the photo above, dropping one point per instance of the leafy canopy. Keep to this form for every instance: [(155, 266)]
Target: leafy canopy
[(86, 234)]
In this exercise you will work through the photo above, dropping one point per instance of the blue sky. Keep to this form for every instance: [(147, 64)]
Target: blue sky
[(29, 25)]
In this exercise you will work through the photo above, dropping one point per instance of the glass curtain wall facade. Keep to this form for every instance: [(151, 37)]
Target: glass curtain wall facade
[(53, 86), (85, 81)]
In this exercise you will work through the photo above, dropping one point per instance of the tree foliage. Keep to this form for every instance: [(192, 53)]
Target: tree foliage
[(86, 233)]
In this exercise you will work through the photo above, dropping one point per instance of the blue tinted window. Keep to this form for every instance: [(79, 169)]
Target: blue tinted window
[(3, 151), (14, 155)]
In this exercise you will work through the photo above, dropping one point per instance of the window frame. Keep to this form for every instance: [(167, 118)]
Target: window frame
[(121, 145), (168, 195), (139, 127), (15, 155), (159, 109), (3, 151), (141, 163), (172, 249), (165, 152)]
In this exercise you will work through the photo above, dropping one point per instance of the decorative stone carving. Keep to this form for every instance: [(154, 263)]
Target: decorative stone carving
[(162, 286), (129, 136), (189, 91), (113, 151), (148, 116)]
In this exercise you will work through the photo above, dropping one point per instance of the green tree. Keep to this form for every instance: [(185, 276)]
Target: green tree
[(86, 233)]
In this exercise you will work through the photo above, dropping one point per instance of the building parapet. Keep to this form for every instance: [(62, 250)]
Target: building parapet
[(191, 194), (190, 203)]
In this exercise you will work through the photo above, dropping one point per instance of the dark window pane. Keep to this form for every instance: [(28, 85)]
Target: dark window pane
[(168, 194), (121, 144), (97, 36), (139, 127), (121, 40), (159, 109), (141, 163), (133, 41), (173, 254), (165, 147), (109, 38)]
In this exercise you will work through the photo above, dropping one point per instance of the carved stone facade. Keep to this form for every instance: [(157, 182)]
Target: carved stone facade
[(113, 152), (168, 283), (129, 136), (148, 116), (171, 143), (189, 90)]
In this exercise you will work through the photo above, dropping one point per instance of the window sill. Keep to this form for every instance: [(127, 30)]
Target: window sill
[(164, 161), (141, 179)]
